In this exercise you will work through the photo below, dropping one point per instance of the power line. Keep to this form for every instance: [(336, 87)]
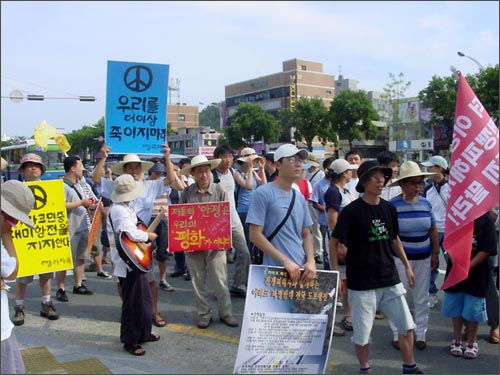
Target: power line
[(36, 85)]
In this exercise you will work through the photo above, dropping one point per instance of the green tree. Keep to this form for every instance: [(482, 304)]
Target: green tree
[(485, 86), (352, 115), (440, 96), (89, 138), (251, 123), (170, 130), (394, 92), (309, 119), (286, 124), (210, 116)]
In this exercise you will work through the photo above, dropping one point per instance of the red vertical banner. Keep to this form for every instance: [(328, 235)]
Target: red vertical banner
[(473, 178), (199, 227)]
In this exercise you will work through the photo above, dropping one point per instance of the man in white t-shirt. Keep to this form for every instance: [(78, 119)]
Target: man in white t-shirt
[(353, 157), (224, 176), (314, 174)]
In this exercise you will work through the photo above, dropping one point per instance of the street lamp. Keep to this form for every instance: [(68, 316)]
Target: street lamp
[(461, 54)]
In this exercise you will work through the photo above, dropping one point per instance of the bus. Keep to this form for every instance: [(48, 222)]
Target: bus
[(53, 158)]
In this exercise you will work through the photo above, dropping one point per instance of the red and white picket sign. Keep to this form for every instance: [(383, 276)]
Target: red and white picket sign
[(473, 178)]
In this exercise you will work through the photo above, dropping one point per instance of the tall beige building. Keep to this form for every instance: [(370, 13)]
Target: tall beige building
[(183, 116), (299, 78)]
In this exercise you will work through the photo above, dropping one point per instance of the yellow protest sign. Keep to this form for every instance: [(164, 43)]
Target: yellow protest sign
[(45, 248)]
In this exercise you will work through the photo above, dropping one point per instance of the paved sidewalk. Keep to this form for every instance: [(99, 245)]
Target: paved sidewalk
[(86, 339), (45, 354)]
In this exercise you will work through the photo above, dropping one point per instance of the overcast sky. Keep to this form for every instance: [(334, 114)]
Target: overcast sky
[(60, 49)]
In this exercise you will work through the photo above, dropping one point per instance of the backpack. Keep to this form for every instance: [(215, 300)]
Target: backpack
[(216, 180), (216, 175)]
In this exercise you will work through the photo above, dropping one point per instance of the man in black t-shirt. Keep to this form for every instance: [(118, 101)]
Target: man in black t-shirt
[(369, 228)]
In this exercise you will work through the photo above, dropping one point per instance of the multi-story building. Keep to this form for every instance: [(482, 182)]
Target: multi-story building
[(299, 78), (411, 134), (183, 116), (342, 84)]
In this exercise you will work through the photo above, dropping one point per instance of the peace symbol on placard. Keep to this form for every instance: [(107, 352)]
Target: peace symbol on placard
[(138, 78), (40, 196)]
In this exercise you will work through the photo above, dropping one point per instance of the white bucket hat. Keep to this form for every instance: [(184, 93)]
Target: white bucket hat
[(409, 169), (197, 161), (126, 189), (247, 154), (131, 158), (17, 200)]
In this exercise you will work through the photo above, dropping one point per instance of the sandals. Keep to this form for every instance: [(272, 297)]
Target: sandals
[(347, 324), (456, 349), (471, 351), (152, 338), (158, 320), (494, 336), (338, 332), (136, 350)]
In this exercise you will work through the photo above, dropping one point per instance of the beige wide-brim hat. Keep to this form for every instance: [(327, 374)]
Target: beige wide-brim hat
[(312, 160), (198, 161), (17, 200), (126, 189), (130, 158), (409, 169), (248, 154)]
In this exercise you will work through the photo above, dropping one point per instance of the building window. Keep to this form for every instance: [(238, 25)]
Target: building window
[(328, 92), (181, 118), (303, 67)]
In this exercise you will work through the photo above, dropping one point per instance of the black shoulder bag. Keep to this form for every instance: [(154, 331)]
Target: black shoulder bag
[(255, 251)]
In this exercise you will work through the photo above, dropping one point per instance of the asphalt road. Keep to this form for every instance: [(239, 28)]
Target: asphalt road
[(90, 325)]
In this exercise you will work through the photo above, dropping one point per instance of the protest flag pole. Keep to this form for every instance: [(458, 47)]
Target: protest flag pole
[(473, 180)]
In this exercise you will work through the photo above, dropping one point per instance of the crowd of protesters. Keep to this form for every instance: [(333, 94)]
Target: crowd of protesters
[(378, 222)]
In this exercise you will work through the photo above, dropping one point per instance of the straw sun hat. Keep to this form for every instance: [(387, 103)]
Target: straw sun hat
[(409, 169), (198, 161), (248, 154), (130, 158)]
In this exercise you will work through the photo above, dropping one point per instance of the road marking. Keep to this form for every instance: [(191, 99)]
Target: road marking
[(180, 328)]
